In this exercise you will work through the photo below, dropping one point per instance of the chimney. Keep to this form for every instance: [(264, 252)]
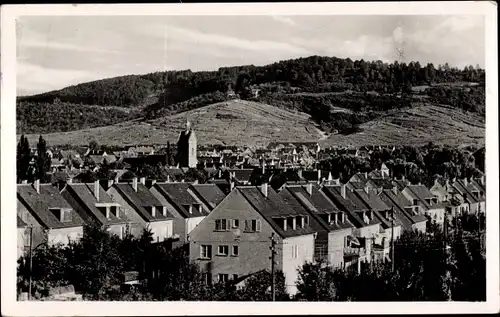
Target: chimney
[(319, 175), (366, 175), (310, 189), (436, 181), (263, 166), (195, 182), (36, 184), (263, 189), (482, 180), (96, 190), (168, 178), (153, 182), (299, 172), (342, 191), (402, 177), (142, 180), (395, 189), (134, 183), (116, 179), (466, 181), (220, 174), (110, 183), (231, 185), (69, 181)]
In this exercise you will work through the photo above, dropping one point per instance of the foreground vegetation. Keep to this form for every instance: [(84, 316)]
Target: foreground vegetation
[(435, 267)]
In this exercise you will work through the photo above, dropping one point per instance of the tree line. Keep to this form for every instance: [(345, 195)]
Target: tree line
[(416, 164)]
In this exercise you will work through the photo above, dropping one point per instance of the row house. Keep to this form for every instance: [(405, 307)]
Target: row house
[(188, 204), (143, 209), (335, 227), (367, 226), (470, 193), (241, 176), (52, 219), (480, 186), (404, 211), (234, 239), (96, 207), (428, 204)]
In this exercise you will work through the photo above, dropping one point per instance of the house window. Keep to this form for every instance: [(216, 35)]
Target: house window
[(221, 225), (223, 250), (65, 215), (415, 202), (207, 278), (206, 252), (236, 250), (236, 223), (253, 225), (223, 278)]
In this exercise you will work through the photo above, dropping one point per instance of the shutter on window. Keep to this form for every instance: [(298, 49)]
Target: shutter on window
[(247, 225), (258, 226)]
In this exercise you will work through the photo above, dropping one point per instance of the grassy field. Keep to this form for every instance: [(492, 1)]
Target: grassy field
[(418, 125), (234, 122)]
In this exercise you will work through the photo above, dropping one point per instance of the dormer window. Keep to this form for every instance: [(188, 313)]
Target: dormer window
[(476, 194), (189, 208), (415, 202), (63, 215), (115, 210), (105, 211), (428, 200)]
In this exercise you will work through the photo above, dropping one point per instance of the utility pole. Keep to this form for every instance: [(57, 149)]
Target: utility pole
[(31, 260), (392, 237), (273, 253)]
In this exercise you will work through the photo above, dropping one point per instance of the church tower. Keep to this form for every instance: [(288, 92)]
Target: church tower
[(187, 148)]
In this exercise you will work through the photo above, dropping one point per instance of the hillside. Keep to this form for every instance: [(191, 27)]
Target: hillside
[(417, 126), (234, 122)]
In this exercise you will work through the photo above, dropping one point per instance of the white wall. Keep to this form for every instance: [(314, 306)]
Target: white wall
[(64, 235), (191, 223), (293, 260), (420, 226), (161, 230), (368, 231)]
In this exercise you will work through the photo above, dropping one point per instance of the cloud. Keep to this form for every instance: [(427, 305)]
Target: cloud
[(214, 40), (283, 19), (53, 45), (32, 79)]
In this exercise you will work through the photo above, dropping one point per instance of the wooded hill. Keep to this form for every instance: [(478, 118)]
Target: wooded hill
[(315, 85)]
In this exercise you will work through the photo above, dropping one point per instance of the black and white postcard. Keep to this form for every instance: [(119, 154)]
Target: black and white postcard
[(195, 158)]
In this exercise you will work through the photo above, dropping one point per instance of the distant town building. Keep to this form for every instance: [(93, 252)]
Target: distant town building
[(186, 147)]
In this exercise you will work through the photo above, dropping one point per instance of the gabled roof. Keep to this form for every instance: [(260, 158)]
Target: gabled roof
[(273, 206), (399, 202), (210, 194), (384, 183), (466, 189), (357, 185), (401, 184), (141, 199), (289, 198), (39, 203), (242, 174), (422, 193), (317, 204), (480, 188), (352, 204), (377, 205), (178, 196), (85, 195), (361, 177)]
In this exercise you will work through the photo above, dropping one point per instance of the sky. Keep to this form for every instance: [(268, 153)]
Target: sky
[(57, 51)]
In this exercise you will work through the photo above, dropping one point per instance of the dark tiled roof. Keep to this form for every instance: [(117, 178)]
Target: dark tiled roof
[(373, 201), (310, 175), (357, 185), (422, 193), (178, 195), (467, 189), (399, 202), (317, 203), (382, 182), (175, 173), (361, 177), (273, 206), (375, 174), (85, 195), (141, 199), (39, 205), (242, 174), (209, 193), (401, 184), (352, 204), (290, 199)]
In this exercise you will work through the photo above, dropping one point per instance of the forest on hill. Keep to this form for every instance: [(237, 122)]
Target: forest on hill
[(330, 81)]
